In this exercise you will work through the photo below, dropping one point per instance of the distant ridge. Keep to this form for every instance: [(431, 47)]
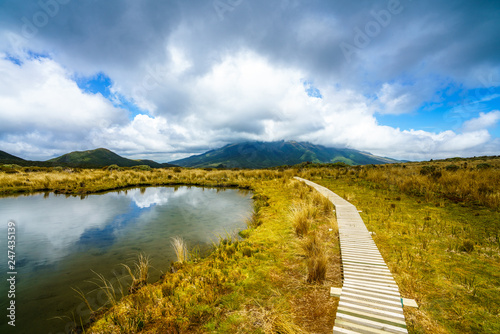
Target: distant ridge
[(4, 156), (97, 158), (278, 153), (102, 157)]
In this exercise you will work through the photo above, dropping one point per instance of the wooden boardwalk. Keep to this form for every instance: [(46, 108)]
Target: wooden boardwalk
[(369, 300)]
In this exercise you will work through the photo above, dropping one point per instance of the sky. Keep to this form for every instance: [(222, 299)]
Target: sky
[(161, 80)]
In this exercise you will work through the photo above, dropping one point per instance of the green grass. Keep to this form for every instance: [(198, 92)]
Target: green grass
[(443, 254), (437, 227), (258, 284)]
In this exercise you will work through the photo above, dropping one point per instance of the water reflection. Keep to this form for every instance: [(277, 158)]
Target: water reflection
[(60, 239)]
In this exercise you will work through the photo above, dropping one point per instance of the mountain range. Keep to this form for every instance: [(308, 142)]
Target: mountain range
[(240, 155), (278, 153)]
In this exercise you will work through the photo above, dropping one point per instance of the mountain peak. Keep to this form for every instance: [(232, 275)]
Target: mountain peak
[(259, 154)]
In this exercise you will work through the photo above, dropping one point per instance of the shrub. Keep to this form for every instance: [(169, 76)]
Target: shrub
[(143, 167), (484, 166), (427, 170), (452, 168)]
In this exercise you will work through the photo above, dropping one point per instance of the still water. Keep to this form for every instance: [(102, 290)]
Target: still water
[(61, 240)]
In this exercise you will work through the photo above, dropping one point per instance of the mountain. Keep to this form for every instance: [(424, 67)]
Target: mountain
[(101, 157), (271, 154), (9, 158)]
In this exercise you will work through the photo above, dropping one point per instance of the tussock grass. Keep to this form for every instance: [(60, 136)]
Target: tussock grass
[(256, 284), (140, 273), (312, 246), (439, 234), (316, 258), (111, 292), (316, 268), (300, 220), (180, 249), (301, 215), (438, 230)]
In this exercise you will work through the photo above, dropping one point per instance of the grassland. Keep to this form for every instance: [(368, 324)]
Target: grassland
[(438, 228), (436, 224), (275, 279)]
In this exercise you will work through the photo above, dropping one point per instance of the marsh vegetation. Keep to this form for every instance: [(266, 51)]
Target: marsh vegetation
[(437, 225)]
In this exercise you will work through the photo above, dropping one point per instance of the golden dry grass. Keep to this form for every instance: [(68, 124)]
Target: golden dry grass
[(245, 285)]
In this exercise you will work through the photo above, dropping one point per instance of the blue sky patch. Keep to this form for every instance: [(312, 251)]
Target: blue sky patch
[(102, 84), (13, 60), (450, 113), (311, 90)]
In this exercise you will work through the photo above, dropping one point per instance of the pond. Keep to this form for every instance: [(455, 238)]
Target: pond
[(63, 241)]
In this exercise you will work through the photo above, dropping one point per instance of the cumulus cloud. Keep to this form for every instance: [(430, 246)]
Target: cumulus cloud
[(202, 77), (41, 104), (484, 121)]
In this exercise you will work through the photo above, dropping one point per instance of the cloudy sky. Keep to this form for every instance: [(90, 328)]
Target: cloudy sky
[(164, 79)]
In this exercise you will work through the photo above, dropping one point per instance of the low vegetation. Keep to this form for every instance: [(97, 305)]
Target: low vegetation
[(437, 225), (438, 228), (261, 283)]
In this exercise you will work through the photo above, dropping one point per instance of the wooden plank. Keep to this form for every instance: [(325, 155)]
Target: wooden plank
[(382, 301), (365, 288), (364, 285), (358, 328), (339, 330), (377, 312), (370, 315), (372, 324), (370, 301), (373, 305)]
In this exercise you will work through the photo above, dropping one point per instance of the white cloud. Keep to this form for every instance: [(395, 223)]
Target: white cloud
[(41, 104), (396, 98), (484, 121), (39, 94), (242, 96)]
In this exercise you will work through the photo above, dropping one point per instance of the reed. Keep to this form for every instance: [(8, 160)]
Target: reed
[(180, 249), (255, 283), (140, 273)]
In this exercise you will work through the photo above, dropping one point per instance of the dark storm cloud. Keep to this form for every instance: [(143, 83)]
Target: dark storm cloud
[(95, 35), (387, 56)]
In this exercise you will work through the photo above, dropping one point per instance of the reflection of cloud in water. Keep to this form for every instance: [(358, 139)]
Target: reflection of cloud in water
[(50, 228), (46, 227), (150, 196)]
